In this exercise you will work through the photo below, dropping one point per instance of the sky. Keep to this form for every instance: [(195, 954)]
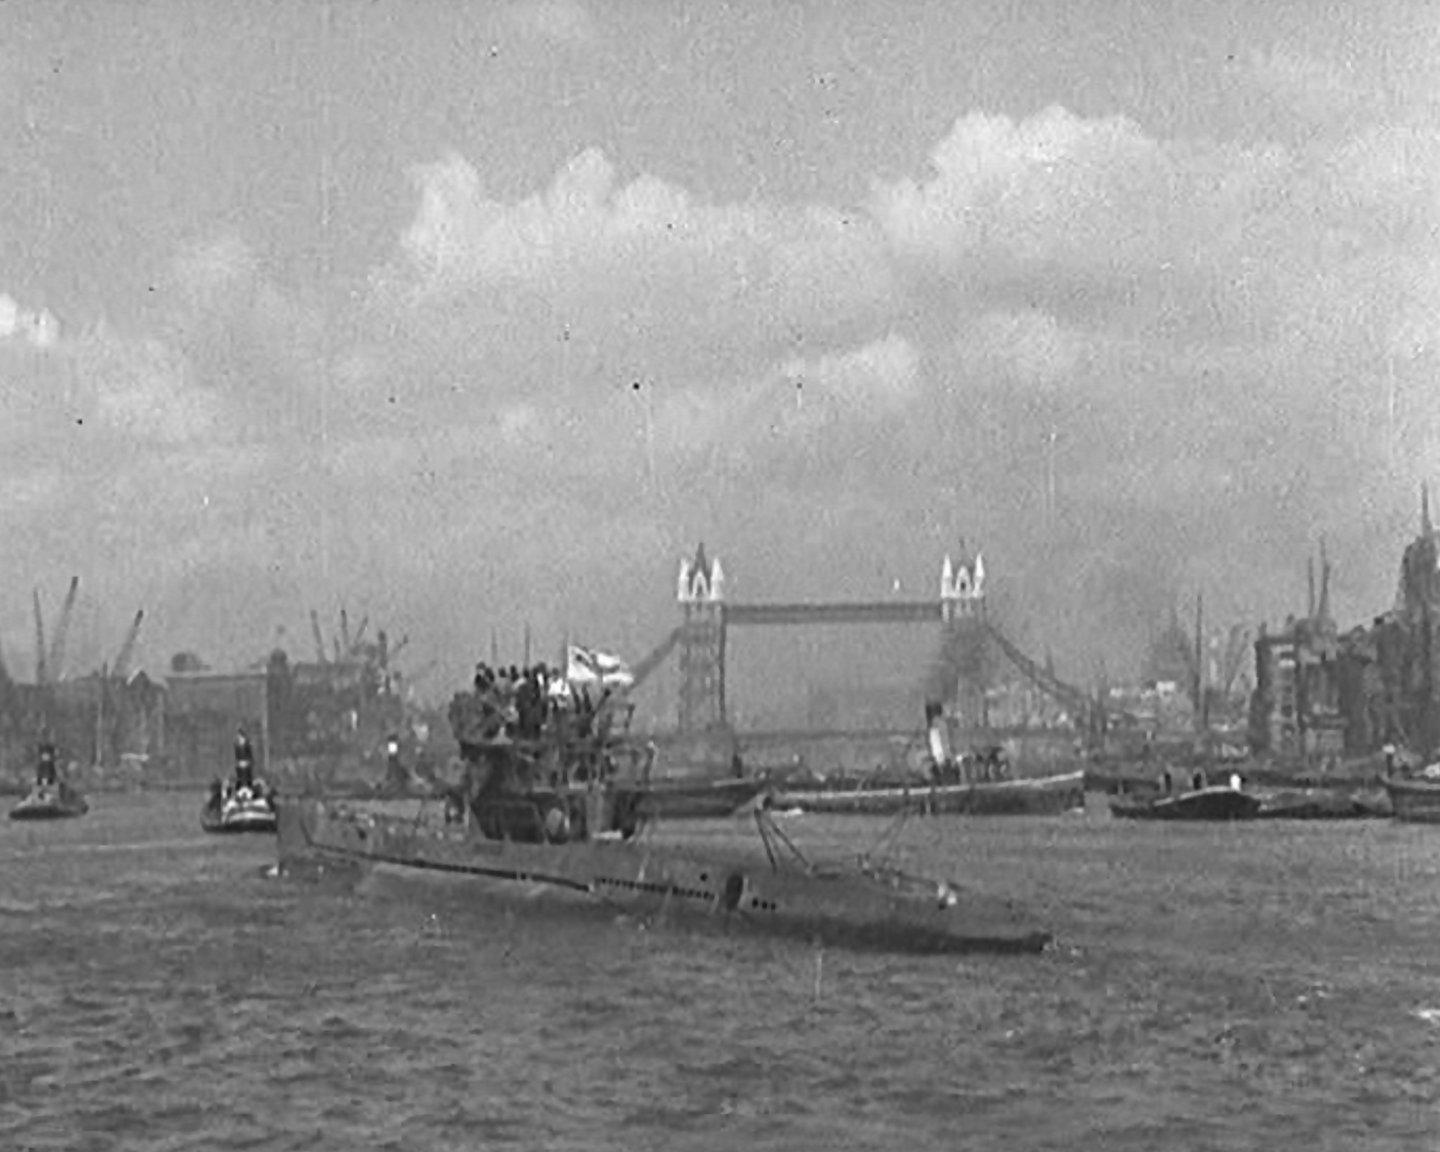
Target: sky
[(468, 316)]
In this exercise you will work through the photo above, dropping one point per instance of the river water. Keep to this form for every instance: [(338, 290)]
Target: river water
[(1227, 987)]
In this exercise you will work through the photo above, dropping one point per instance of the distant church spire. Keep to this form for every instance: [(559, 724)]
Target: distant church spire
[(1426, 528)]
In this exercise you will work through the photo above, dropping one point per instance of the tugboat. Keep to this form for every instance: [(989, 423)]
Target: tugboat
[(560, 807), (977, 784), (51, 798), (244, 804)]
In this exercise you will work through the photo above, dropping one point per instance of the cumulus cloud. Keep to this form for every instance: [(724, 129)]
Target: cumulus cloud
[(260, 351), (588, 224), (1189, 300), (1220, 332), (521, 424), (1322, 92), (623, 365), (1046, 189), (882, 373), (1102, 225), (140, 391), (828, 400), (558, 21), (1096, 217), (639, 276), (99, 393), (38, 328), (206, 271), (108, 452), (1021, 347)]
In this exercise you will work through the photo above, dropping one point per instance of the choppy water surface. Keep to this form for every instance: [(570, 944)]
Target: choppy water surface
[(1259, 986)]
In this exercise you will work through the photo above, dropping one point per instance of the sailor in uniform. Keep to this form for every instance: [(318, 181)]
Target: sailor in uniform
[(46, 774), (396, 778), (244, 760)]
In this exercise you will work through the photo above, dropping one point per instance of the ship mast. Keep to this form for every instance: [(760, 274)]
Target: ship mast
[(1202, 713), (326, 18)]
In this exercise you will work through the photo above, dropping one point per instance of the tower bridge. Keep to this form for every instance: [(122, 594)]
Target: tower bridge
[(958, 678)]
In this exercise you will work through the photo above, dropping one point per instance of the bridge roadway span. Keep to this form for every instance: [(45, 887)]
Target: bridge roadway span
[(754, 737), (875, 612), (878, 612)]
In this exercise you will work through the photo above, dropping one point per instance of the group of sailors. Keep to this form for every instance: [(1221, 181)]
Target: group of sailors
[(244, 760), (244, 780), (985, 764), (526, 703), (1198, 781), (47, 768)]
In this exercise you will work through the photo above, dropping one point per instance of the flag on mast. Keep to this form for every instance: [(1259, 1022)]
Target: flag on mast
[(591, 666)]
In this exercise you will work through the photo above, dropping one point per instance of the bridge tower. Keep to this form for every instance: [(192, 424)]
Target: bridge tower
[(962, 611), (701, 594)]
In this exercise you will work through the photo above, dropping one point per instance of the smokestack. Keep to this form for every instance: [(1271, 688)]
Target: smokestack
[(1202, 718), (1310, 576), (1323, 610)]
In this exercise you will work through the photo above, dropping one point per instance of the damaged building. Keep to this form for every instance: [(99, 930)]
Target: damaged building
[(1295, 708), (1390, 683), (1320, 693)]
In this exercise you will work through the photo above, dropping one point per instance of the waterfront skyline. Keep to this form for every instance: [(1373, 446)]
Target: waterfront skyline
[(489, 314)]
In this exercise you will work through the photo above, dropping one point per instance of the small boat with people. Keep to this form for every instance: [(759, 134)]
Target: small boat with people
[(244, 803), (554, 801), (50, 797), (1201, 801)]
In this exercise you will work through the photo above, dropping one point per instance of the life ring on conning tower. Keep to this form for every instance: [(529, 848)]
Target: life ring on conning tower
[(555, 821)]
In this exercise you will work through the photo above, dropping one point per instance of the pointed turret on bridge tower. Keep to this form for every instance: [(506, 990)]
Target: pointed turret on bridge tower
[(701, 581), (700, 591), (963, 662), (957, 681), (962, 587)]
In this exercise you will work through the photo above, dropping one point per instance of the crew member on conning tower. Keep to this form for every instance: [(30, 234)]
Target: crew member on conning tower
[(244, 760), (46, 773)]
